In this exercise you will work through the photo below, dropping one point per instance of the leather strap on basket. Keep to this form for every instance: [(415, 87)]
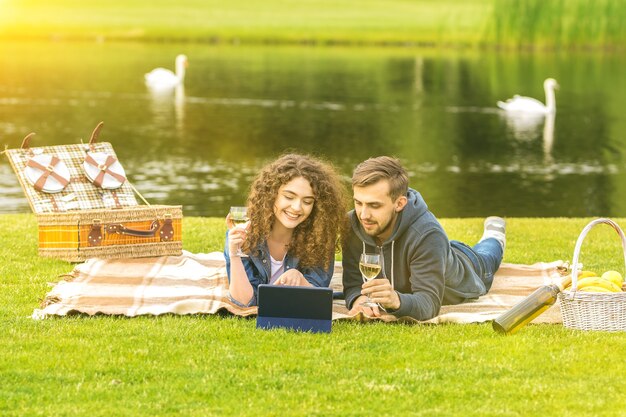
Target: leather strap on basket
[(48, 171), (95, 234), (120, 229), (104, 169), (167, 231), (94, 135), (116, 199), (25, 142)]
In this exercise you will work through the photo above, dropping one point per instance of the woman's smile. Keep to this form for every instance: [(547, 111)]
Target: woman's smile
[(292, 216)]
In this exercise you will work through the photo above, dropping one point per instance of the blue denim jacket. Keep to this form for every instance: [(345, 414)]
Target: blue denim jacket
[(257, 267)]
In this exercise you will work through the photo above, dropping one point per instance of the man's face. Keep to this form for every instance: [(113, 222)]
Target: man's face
[(375, 209)]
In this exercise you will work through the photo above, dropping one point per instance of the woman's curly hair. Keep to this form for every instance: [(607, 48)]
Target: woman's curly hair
[(315, 239)]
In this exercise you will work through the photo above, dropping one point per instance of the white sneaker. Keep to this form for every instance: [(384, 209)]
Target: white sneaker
[(495, 227)]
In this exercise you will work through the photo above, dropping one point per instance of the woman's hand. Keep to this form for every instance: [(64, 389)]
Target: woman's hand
[(236, 237), (294, 278), (230, 225)]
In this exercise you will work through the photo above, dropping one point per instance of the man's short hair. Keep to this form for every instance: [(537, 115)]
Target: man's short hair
[(371, 171)]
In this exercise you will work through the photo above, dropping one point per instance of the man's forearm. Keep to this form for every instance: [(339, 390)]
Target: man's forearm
[(418, 306)]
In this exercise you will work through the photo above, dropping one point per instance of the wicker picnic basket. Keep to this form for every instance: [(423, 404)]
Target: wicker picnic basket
[(593, 310), (81, 217)]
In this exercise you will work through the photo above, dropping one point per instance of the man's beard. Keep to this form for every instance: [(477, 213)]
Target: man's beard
[(381, 229)]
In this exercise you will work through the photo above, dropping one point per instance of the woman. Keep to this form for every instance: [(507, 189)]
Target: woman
[(296, 208)]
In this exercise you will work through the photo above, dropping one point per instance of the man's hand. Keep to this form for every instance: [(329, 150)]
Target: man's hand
[(358, 306), (381, 292), (294, 278)]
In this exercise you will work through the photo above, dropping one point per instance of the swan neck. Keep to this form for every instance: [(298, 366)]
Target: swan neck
[(180, 71), (550, 99)]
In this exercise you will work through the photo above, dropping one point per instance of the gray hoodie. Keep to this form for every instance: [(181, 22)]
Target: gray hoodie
[(424, 269)]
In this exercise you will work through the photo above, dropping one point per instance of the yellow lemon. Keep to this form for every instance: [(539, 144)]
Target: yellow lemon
[(613, 276)]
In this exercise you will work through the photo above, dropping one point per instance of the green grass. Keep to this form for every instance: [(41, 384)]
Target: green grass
[(221, 365), (540, 23), (456, 23), (284, 21)]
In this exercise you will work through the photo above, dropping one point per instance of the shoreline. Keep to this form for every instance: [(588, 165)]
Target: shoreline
[(320, 43)]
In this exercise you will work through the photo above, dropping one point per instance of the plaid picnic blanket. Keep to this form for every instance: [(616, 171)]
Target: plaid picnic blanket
[(197, 284)]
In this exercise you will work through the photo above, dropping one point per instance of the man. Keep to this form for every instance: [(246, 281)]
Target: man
[(421, 269)]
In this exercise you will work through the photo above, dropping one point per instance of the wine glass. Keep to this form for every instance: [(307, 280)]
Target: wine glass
[(240, 220), (370, 266)]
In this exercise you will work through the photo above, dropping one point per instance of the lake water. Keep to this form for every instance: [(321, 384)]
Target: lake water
[(243, 106)]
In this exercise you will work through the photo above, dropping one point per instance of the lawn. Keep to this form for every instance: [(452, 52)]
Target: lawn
[(310, 21), (222, 365), (448, 23)]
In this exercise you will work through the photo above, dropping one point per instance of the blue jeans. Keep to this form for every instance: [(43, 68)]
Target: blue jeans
[(486, 257)]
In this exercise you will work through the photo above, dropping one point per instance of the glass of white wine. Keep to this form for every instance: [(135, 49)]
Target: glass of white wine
[(239, 218), (370, 266)]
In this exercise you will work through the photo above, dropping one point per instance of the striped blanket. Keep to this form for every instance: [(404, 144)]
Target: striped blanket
[(197, 284)]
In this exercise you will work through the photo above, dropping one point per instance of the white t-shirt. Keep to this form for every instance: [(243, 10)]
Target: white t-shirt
[(277, 268)]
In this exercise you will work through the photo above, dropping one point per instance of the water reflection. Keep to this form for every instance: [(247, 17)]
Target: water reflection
[(524, 126), (167, 105), (548, 138), (201, 145)]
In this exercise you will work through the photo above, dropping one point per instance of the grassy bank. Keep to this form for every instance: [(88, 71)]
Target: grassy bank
[(220, 365), (555, 24), (249, 21), (455, 23)]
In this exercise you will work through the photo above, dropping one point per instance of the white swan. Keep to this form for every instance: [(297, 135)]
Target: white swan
[(161, 78), (519, 104)]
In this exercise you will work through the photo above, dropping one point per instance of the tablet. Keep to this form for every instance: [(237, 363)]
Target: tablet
[(308, 309)]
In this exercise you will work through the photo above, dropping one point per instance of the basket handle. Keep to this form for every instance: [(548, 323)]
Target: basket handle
[(123, 230), (25, 142), (94, 135), (579, 243)]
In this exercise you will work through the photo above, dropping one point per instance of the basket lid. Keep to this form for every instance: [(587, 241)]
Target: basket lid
[(80, 193)]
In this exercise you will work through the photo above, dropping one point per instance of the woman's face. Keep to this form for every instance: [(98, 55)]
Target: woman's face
[(294, 202)]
